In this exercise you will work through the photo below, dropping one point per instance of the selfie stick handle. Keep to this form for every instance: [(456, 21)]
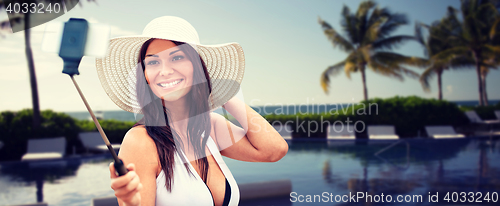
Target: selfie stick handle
[(71, 51)]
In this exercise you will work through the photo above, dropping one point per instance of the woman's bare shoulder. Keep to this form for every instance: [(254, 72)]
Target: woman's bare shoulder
[(138, 148), (214, 117), (138, 137)]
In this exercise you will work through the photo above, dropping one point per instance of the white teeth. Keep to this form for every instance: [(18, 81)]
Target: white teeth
[(171, 84)]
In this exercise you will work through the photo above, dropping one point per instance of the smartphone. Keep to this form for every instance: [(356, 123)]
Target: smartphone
[(97, 38)]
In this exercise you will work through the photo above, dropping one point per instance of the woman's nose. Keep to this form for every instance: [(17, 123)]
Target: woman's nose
[(166, 70)]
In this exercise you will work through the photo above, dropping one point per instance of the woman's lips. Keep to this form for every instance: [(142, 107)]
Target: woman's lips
[(170, 84)]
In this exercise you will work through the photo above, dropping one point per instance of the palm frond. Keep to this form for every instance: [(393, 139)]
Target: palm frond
[(348, 24), (450, 54), (395, 59), (364, 8), (372, 32), (409, 73), (335, 38), (349, 67), (389, 64), (463, 62), (377, 14), (324, 82), (418, 33), (494, 49), (335, 69), (427, 76), (393, 22), (420, 38), (493, 30), (361, 18), (452, 26), (330, 71), (392, 42), (415, 61), (383, 69)]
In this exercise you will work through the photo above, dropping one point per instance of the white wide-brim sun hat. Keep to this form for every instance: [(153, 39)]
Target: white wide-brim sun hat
[(117, 70)]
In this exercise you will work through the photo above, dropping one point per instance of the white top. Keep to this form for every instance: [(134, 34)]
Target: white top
[(189, 189)]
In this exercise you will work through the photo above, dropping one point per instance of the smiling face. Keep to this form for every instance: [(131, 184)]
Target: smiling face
[(168, 70)]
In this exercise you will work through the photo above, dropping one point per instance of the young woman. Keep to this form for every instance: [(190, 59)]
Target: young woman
[(174, 153)]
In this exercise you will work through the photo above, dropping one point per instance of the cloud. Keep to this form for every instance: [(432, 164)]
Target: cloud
[(449, 88)]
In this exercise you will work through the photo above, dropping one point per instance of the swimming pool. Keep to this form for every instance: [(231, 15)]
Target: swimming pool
[(408, 168)]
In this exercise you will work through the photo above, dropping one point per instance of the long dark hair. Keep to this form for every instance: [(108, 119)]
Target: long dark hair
[(156, 119)]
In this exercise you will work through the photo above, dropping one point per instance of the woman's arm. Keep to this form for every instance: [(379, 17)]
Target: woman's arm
[(257, 141), (137, 148)]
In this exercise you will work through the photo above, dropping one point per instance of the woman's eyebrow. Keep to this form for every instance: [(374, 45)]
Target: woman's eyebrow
[(174, 52), (154, 55)]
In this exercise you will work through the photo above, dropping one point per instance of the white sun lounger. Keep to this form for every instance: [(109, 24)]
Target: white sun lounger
[(92, 141), (474, 118), (284, 130), (341, 132), (45, 149), (441, 132), (382, 132)]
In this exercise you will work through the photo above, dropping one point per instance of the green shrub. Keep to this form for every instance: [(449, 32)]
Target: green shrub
[(115, 130), (17, 127), (409, 115)]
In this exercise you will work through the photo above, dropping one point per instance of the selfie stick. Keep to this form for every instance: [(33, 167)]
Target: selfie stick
[(71, 51)]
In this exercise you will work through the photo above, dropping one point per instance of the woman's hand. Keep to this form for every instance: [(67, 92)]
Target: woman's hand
[(126, 187)]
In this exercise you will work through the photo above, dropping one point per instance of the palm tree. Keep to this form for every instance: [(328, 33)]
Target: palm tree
[(493, 61), (472, 36), (368, 43), (434, 43), (24, 20), (437, 41)]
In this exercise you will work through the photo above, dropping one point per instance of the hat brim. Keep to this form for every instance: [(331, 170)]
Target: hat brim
[(117, 70)]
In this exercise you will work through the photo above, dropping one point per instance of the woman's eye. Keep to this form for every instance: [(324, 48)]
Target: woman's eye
[(178, 57), (153, 62)]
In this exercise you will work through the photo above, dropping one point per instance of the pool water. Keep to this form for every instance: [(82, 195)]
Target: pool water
[(416, 167)]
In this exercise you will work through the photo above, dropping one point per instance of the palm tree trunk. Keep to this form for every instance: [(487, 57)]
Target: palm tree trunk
[(31, 67), (440, 86), (363, 78), (480, 81), (485, 92)]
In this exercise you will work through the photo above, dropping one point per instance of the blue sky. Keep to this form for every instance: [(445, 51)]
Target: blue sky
[(284, 45)]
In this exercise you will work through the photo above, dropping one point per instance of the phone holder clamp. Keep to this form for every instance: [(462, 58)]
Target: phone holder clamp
[(73, 44)]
